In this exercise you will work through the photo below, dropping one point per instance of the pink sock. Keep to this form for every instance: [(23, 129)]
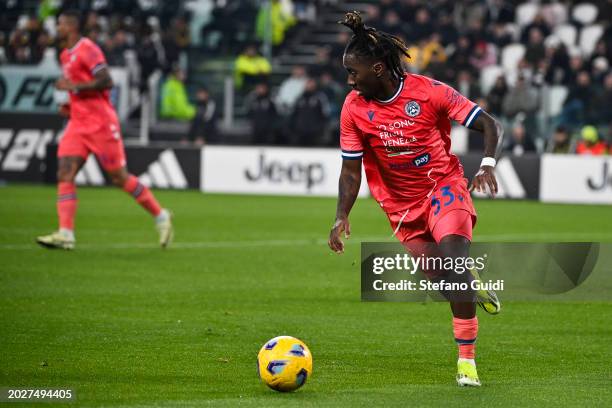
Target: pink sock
[(66, 204), (142, 194), (465, 331)]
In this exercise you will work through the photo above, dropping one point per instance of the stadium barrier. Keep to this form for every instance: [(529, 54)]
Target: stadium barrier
[(28, 149), (30, 89), (576, 179), (272, 170)]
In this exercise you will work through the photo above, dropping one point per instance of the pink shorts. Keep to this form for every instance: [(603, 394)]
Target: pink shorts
[(448, 211), (104, 141)]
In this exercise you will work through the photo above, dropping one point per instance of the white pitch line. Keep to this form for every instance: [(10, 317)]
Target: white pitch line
[(549, 237)]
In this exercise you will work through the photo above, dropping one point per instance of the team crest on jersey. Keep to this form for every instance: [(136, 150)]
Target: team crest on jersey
[(412, 109)]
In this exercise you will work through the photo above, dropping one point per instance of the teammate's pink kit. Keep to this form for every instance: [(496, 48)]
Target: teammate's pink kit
[(405, 144), (93, 126)]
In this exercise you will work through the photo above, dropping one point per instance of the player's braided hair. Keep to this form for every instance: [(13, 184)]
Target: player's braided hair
[(369, 42)]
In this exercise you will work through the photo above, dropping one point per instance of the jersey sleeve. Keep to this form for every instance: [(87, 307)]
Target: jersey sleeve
[(93, 59), (454, 105), (350, 138)]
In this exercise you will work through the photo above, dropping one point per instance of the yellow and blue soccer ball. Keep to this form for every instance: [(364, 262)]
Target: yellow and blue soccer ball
[(284, 363)]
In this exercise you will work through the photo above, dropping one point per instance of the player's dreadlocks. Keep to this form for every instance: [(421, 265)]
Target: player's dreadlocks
[(369, 42)]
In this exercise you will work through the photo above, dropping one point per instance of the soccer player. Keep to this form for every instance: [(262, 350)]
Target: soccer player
[(398, 124), (93, 127)]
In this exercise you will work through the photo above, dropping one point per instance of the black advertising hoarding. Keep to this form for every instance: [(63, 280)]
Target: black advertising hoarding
[(157, 167), (23, 144), (517, 177)]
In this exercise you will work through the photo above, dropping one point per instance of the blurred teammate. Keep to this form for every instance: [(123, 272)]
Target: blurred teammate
[(399, 125), (93, 127)]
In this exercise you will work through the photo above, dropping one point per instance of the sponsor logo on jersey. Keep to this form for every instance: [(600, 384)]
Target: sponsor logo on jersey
[(371, 115), (421, 160)]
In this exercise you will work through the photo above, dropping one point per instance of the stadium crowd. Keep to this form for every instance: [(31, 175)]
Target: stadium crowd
[(542, 67)]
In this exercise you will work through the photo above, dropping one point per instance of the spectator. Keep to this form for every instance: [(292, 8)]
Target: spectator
[(203, 126), (291, 89), (273, 21), (250, 68), (577, 108), (499, 35), (467, 86), (333, 91), (484, 55), (310, 116), (576, 65), (539, 23), (115, 48), (535, 51), (460, 58), (520, 142), (560, 141), (426, 52), (148, 57), (392, 23), (590, 143), (500, 11), (447, 30), (602, 102), (174, 102), (263, 115), (558, 64), (522, 98), (496, 95), (422, 27), (599, 69), (175, 40)]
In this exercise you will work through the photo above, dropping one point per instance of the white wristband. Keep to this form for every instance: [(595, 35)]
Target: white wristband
[(488, 161)]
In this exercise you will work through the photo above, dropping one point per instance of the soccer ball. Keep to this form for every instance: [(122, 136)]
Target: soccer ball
[(284, 363)]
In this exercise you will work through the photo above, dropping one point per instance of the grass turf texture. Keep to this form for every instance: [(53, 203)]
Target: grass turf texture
[(127, 324)]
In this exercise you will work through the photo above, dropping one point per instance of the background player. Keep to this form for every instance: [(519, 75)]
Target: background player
[(399, 124), (93, 127)]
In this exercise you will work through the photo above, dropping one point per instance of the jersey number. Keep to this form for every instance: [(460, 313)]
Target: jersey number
[(447, 196)]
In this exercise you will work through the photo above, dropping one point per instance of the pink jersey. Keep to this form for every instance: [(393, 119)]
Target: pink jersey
[(88, 109), (405, 140)]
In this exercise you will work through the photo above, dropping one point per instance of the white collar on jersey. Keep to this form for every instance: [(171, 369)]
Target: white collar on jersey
[(395, 95), (75, 46)]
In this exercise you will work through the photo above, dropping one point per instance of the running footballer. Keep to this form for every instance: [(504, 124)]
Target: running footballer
[(93, 127), (398, 125)]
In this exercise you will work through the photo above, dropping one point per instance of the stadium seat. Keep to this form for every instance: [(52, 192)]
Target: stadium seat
[(567, 34), (585, 13), (50, 24), (511, 55), (459, 137), (588, 38), (488, 76), (556, 98), (514, 30), (526, 12)]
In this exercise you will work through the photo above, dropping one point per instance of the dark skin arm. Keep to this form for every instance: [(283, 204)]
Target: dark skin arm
[(102, 80), (493, 134), (348, 189)]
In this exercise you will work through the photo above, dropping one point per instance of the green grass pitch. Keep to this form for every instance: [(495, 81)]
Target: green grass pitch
[(127, 324)]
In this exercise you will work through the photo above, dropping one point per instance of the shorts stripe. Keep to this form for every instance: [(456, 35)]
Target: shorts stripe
[(464, 341), (67, 197), (138, 190)]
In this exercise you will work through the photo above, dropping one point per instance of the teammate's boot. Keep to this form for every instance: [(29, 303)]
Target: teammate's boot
[(466, 374), (486, 299), (163, 223), (57, 240)]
